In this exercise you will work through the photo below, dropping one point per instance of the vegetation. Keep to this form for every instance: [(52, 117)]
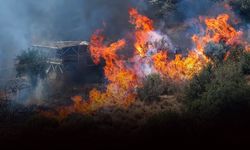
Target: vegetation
[(216, 51), (154, 86), (243, 7), (227, 93), (32, 63), (221, 89), (163, 6)]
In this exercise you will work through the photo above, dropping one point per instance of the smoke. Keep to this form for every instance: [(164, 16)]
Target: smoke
[(27, 21), (184, 22)]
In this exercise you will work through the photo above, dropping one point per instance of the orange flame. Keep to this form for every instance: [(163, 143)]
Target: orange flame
[(217, 30), (123, 76), (180, 68), (143, 26)]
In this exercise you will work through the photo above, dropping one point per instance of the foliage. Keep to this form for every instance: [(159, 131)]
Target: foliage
[(236, 53), (154, 86), (162, 6), (219, 52), (216, 51), (246, 63), (32, 63), (243, 7), (197, 85), (225, 94)]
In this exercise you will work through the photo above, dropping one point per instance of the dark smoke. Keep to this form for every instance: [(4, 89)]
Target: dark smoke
[(183, 22), (25, 21)]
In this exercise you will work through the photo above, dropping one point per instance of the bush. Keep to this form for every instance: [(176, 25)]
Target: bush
[(243, 7), (33, 64), (197, 85), (245, 62), (227, 93), (162, 6), (154, 86), (216, 51)]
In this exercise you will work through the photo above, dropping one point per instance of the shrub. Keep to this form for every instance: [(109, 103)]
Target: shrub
[(197, 85), (236, 53), (162, 6), (154, 86), (243, 7), (228, 93), (216, 51), (245, 62), (33, 64)]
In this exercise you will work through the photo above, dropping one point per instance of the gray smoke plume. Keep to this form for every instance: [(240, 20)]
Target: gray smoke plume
[(184, 22), (25, 21)]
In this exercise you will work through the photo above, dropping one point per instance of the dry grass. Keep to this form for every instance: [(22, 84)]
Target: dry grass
[(139, 112)]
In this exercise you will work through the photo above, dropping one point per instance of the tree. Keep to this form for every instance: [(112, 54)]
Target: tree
[(243, 7), (32, 63), (162, 6)]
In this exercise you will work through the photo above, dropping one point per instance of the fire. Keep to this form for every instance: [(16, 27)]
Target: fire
[(143, 26), (180, 68), (124, 74), (122, 79), (217, 30)]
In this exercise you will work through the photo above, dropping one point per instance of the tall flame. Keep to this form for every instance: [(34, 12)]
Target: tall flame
[(123, 73), (143, 26)]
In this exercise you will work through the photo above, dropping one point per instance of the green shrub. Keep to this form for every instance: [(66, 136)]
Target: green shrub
[(32, 63), (245, 62), (162, 7), (197, 85), (243, 7), (216, 51), (154, 86), (236, 53), (227, 93)]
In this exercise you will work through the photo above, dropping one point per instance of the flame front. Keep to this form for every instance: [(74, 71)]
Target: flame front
[(123, 74)]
